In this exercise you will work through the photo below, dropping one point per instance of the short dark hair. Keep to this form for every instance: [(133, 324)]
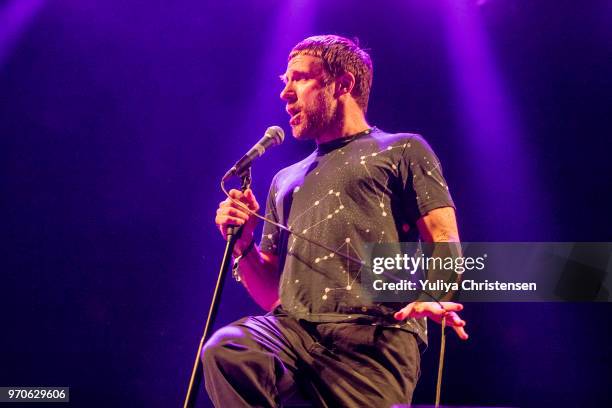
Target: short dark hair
[(340, 55)]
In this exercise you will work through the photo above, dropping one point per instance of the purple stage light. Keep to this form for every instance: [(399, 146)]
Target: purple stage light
[(495, 151), (292, 23), (15, 18)]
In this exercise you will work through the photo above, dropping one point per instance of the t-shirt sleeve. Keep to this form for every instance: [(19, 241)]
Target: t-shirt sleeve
[(423, 181), (271, 233)]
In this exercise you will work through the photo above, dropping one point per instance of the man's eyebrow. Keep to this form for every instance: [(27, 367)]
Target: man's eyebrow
[(296, 75)]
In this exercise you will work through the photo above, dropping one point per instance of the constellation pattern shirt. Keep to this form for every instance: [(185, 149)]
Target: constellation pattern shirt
[(369, 188)]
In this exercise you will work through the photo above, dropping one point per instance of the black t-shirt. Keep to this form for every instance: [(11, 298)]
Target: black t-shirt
[(369, 188)]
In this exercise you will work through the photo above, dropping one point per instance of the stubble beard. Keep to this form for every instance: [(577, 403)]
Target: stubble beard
[(318, 121)]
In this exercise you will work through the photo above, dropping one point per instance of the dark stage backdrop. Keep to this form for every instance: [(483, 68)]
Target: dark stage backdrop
[(117, 120)]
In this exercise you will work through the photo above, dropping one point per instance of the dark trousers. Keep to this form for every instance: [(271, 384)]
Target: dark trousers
[(262, 361)]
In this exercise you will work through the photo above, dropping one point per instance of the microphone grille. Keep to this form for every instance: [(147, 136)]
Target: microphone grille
[(276, 133)]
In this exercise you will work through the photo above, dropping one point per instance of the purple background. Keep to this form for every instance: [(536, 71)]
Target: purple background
[(118, 119)]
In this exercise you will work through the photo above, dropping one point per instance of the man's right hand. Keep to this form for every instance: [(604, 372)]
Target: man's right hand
[(230, 214), (259, 270)]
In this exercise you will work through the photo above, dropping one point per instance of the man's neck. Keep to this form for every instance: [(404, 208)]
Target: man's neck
[(351, 125)]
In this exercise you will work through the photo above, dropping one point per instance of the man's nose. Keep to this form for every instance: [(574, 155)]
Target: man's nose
[(287, 94)]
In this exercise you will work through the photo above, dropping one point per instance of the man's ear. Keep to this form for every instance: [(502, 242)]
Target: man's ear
[(344, 84)]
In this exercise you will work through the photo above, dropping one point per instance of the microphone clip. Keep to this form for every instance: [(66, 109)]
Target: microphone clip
[(245, 176)]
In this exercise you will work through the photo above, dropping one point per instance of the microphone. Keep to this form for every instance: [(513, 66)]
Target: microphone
[(273, 137)]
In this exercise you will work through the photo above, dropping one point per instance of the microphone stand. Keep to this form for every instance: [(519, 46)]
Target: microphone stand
[(233, 234)]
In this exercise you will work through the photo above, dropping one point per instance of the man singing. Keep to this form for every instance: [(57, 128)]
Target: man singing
[(324, 335)]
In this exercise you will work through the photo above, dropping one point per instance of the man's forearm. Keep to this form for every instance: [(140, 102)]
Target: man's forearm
[(438, 228), (442, 250), (259, 273)]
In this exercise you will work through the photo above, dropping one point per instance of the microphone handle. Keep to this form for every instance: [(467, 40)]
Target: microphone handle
[(235, 231)]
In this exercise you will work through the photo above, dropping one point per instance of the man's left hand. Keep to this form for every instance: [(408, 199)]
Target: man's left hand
[(436, 311)]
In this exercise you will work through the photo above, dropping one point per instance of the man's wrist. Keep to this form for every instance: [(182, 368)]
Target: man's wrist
[(237, 258), (240, 251)]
